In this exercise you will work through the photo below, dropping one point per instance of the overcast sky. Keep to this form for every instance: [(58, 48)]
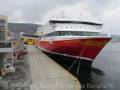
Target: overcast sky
[(34, 11)]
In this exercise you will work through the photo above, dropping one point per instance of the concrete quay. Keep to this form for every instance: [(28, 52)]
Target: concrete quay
[(47, 74)]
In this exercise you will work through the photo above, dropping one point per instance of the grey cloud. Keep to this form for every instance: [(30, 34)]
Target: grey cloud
[(32, 10), (96, 6), (39, 8)]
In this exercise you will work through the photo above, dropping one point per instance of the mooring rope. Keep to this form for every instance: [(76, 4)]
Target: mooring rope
[(78, 63)]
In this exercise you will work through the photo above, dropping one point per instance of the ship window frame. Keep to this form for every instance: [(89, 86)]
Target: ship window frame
[(74, 33)]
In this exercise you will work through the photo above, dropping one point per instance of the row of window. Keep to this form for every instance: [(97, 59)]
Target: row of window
[(5, 45), (2, 20), (80, 27), (2, 34), (74, 33), (67, 33), (29, 35), (2, 27), (2, 23)]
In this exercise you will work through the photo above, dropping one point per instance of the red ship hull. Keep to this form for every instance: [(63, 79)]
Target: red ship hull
[(87, 48)]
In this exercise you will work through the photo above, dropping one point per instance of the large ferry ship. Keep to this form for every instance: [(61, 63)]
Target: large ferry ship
[(78, 39)]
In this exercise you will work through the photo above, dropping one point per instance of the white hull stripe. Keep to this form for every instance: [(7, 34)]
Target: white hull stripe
[(59, 38), (77, 57)]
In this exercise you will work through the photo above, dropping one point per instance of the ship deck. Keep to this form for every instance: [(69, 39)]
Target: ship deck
[(47, 74)]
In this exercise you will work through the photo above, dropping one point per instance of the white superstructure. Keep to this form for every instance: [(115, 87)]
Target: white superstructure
[(70, 27)]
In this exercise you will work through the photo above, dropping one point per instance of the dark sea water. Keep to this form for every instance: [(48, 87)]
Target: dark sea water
[(105, 71)]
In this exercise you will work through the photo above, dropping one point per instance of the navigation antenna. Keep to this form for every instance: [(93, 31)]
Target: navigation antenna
[(80, 15), (62, 14)]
